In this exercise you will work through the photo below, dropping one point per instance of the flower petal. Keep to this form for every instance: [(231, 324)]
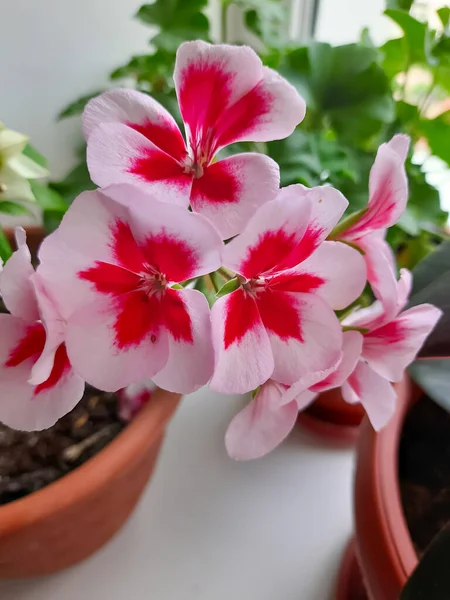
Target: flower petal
[(351, 352), (140, 112), (54, 330), (304, 334), (269, 111), (230, 190), (388, 190), (243, 356), (340, 268), (191, 361), (103, 238), (262, 425), (209, 79), (327, 207), (375, 393), (117, 341), (393, 346), (181, 243), (271, 234), (15, 284), (119, 154)]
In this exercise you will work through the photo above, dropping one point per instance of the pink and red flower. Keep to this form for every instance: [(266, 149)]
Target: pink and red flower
[(225, 95), (37, 383), (280, 322), (388, 196), (113, 274)]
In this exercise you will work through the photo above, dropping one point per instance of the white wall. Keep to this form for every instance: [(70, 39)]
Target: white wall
[(51, 52)]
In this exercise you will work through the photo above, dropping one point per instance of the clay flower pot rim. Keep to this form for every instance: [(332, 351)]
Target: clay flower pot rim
[(79, 484), (386, 445)]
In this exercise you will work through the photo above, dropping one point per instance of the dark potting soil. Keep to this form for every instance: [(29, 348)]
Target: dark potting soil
[(31, 460), (424, 471)]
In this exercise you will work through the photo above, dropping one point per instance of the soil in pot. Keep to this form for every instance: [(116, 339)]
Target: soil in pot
[(424, 471), (31, 460)]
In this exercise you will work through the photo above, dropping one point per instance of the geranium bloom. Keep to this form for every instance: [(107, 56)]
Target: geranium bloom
[(267, 420), (37, 382), (112, 270), (280, 322), (389, 342), (225, 95), (388, 195)]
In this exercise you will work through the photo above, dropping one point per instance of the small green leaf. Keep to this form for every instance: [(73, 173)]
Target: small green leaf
[(48, 198), (230, 286), (13, 208), (52, 219), (77, 181), (77, 107), (444, 15), (399, 4), (35, 155), (5, 246), (437, 132), (414, 31)]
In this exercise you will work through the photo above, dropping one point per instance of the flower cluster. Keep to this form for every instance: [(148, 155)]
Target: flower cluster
[(122, 291)]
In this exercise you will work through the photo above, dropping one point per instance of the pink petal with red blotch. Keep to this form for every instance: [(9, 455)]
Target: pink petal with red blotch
[(191, 355), (341, 270), (79, 244), (270, 111), (118, 340), (209, 79), (231, 190), (140, 112), (327, 207), (119, 154), (180, 243), (351, 349), (262, 425), (388, 190), (374, 392), (271, 234), (24, 406), (305, 335), (243, 355), (54, 329), (393, 346), (15, 285)]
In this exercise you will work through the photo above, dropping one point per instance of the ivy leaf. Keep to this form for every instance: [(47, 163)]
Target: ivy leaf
[(13, 208), (5, 246), (414, 31), (228, 287), (77, 107), (437, 132)]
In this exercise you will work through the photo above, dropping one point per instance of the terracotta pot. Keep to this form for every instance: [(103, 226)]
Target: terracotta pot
[(383, 555), (332, 418), (70, 519)]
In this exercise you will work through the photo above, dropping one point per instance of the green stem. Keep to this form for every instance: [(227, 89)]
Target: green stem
[(225, 274), (214, 282)]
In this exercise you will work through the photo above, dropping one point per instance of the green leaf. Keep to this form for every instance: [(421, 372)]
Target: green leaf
[(52, 219), (395, 56), (77, 107), (35, 156), (431, 578), (168, 13), (13, 208), (5, 246), (433, 376), (77, 181), (228, 287), (414, 32), (437, 132), (48, 198), (265, 18), (399, 4), (444, 15), (432, 285)]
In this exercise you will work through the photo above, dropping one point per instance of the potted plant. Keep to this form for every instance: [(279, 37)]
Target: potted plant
[(137, 283), (401, 498)]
